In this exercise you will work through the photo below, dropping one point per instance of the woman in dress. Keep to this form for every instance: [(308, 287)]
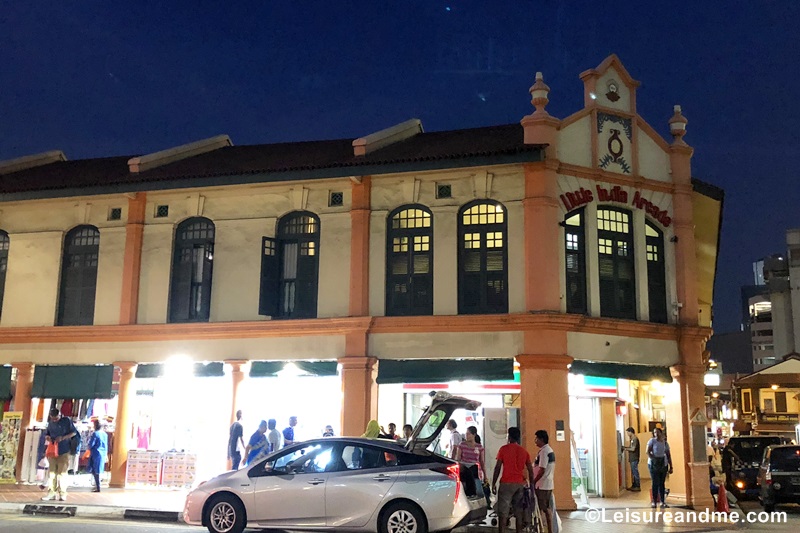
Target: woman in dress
[(471, 453), (98, 451)]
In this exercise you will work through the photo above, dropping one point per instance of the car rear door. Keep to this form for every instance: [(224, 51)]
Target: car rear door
[(358, 481), (290, 489)]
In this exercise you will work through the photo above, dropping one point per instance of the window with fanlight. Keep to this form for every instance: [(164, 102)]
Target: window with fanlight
[(78, 277), (4, 245), (409, 261), (616, 263), (482, 258), (656, 273), (192, 266), (575, 262)]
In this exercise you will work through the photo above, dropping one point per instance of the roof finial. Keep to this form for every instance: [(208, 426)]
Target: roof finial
[(539, 95), (677, 125)]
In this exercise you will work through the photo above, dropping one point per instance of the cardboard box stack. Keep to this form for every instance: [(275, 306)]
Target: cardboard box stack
[(144, 468), (178, 469)]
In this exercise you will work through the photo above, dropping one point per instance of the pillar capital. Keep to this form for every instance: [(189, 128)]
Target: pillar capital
[(126, 366), (544, 362), (357, 362), (236, 364), (23, 368)]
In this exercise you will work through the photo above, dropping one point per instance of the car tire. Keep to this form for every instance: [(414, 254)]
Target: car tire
[(225, 514), (402, 517)]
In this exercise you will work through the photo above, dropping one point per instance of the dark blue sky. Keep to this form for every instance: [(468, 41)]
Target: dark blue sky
[(111, 78)]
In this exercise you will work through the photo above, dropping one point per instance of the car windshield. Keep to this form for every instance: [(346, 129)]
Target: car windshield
[(313, 458), (751, 450), (785, 459)]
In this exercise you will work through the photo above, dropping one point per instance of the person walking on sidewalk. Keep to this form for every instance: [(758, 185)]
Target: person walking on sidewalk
[(235, 437), (544, 483), (98, 451), (60, 430), (455, 438), (258, 446), (288, 432), (513, 459), (659, 464), (633, 458), (471, 453), (274, 436)]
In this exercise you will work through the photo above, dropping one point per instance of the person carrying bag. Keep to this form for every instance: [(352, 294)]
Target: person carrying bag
[(59, 432), (659, 464)]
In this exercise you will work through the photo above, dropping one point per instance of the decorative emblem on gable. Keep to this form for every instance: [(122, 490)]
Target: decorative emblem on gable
[(613, 158), (612, 93)]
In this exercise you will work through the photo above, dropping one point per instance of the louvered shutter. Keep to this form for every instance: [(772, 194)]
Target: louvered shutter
[(181, 293), (269, 296)]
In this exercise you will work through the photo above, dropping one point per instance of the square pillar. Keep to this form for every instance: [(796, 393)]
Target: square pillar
[(544, 403), (22, 402), (122, 424), (359, 394)]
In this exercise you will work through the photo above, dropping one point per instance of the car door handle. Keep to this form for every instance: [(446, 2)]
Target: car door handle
[(315, 481), (382, 477)]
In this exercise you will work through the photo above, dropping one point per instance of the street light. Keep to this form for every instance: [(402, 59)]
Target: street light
[(774, 387)]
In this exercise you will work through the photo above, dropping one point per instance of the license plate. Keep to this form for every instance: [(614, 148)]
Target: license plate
[(795, 480)]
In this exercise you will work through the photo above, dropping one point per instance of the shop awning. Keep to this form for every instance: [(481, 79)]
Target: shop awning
[(621, 371), (72, 381), (5, 383), (200, 370), (264, 369), (443, 370)]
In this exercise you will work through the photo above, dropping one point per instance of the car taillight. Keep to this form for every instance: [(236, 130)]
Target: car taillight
[(768, 476), (452, 471)]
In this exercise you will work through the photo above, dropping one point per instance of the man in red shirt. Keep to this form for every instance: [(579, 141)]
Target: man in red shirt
[(514, 460)]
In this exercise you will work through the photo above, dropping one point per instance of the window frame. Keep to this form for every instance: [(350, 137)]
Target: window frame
[(482, 230), (284, 239), (195, 311), (656, 274), (5, 245), (80, 278), (616, 308), (392, 308), (579, 304)]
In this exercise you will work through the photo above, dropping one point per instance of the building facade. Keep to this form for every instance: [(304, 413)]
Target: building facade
[(197, 272)]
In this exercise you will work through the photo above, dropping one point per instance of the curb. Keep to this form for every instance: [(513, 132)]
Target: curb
[(91, 511)]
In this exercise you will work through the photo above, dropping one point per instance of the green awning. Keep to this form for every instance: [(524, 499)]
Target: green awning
[(444, 370), (621, 371), (263, 369), (200, 370), (72, 381), (5, 383)]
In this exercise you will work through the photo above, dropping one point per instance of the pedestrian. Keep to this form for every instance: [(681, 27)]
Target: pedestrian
[(633, 458), (236, 437), (60, 430), (258, 445), (455, 438), (408, 430), (391, 434), (288, 433), (471, 453), (274, 436), (513, 459), (373, 430), (98, 451), (544, 482), (328, 431), (659, 464)]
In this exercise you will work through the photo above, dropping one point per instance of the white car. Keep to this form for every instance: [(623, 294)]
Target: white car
[(347, 484)]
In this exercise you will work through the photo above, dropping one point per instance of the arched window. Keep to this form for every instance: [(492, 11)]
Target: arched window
[(409, 262), (482, 258), (4, 242), (192, 265), (575, 255), (656, 274), (616, 263), (78, 277), (290, 268)]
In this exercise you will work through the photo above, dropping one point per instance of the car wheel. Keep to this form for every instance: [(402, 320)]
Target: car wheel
[(402, 517), (225, 514)]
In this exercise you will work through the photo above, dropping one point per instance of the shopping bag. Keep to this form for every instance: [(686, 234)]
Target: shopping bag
[(51, 450), (87, 454)]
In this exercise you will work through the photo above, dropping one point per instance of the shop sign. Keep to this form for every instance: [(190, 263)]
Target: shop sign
[(581, 197), (9, 442)]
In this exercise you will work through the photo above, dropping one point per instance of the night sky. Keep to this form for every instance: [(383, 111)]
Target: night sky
[(124, 78)]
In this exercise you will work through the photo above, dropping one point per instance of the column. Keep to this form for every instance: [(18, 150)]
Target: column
[(359, 390), (132, 262), (542, 238), (610, 466), (237, 376), (359, 247), (22, 402), (544, 404), (122, 431)]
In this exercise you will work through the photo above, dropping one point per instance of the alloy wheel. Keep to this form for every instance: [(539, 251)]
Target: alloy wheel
[(401, 521), (223, 517)]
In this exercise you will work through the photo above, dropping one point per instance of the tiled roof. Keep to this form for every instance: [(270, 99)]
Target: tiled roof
[(486, 142)]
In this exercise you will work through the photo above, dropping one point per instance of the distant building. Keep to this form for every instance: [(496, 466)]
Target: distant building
[(769, 400)]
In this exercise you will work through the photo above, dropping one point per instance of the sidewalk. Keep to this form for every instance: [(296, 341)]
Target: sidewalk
[(157, 504)]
